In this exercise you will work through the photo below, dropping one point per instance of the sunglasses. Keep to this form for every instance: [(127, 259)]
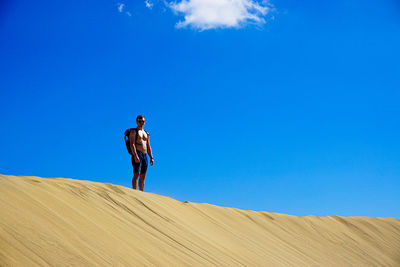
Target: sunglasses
[(142, 121)]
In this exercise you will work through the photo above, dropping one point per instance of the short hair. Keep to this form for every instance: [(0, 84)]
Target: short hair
[(139, 117)]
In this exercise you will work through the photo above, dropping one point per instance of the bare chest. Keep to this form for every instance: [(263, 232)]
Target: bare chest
[(142, 136)]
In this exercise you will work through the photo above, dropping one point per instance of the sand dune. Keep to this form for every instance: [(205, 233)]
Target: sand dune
[(66, 222)]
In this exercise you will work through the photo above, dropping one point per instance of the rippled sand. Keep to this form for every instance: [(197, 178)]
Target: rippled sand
[(66, 222)]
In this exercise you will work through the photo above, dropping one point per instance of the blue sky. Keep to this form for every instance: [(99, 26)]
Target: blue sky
[(281, 106)]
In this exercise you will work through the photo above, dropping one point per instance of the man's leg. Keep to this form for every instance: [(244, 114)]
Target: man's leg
[(143, 170), (141, 181), (136, 167), (134, 180)]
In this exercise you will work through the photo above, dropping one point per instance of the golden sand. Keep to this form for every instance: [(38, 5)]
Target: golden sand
[(66, 222)]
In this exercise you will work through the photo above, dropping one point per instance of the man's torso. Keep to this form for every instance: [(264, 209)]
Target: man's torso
[(141, 141)]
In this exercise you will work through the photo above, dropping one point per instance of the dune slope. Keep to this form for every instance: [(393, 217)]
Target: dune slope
[(66, 222)]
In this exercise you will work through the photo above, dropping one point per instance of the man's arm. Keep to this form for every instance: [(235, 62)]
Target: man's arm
[(149, 151), (132, 138)]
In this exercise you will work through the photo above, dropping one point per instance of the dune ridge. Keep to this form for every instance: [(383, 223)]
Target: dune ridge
[(67, 222)]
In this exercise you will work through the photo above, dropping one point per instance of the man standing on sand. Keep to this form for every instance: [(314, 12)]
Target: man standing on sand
[(140, 146)]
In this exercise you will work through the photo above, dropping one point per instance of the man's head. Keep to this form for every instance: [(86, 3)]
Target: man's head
[(140, 120)]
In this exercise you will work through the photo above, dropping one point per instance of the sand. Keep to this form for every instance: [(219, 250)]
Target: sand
[(67, 222)]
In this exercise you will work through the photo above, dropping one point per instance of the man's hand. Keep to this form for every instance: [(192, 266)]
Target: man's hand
[(151, 161), (137, 160)]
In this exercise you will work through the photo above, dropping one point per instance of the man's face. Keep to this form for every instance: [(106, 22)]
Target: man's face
[(140, 122)]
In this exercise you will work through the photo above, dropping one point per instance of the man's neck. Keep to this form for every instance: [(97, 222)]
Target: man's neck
[(139, 127)]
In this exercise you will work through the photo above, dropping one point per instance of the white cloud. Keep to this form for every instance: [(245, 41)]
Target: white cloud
[(122, 9), (149, 4), (210, 14), (120, 6)]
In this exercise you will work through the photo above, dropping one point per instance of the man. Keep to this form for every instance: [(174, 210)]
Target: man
[(140, 149)]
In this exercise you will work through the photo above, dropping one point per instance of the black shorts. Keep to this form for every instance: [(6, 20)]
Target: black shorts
[(140, 167)]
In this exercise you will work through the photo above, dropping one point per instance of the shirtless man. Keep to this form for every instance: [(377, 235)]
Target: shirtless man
[(139, 151)]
